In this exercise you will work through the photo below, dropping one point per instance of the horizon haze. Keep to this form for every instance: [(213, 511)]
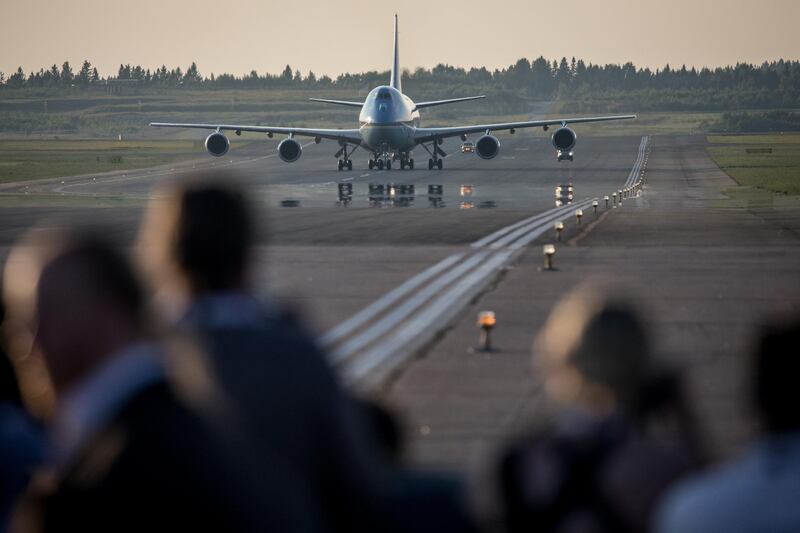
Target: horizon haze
[(354, 36)]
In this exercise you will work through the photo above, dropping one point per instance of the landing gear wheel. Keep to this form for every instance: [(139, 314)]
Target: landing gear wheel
[(402, 164), (341, 164), (349, 164), (388, 164), (380, 164), (371, 164), (430, 164), (439, 164), (411, 164)]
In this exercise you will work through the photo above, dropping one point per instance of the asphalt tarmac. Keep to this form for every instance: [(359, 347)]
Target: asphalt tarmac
[(327, 258), (704, 269)]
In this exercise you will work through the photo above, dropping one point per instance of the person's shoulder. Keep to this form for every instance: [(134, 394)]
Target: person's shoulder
[(709, 501)]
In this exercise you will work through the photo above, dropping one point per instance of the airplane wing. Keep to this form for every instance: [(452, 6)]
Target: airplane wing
[(421, 105), (349, 136), (338, 102), (428, 134)]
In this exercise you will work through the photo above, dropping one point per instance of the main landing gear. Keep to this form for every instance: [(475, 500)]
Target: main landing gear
[(344, 162), (435, 161)]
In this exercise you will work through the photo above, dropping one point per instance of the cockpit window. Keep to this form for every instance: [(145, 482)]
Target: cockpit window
[(384, 95)]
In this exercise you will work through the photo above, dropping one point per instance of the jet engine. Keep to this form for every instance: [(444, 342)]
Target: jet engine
[(487, 147), (564, 139), (289, 150), (217, 144)]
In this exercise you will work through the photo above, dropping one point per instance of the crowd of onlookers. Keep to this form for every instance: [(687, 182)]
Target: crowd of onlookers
[(157, 391)]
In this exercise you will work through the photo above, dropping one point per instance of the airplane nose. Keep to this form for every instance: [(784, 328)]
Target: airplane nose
[(382, 107)]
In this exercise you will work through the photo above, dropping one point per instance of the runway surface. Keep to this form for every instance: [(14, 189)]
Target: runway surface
[(417, 272)]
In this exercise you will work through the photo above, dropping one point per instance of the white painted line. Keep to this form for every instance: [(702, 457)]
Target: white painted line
[(538, 231), (425, 319), (400, 313), (347, 179), (502, 231), (364, 175), (386, 300)]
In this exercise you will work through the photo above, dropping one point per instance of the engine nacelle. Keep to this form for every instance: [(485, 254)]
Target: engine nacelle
[(564, 139), (289, 150), (217, 144), (487, 147)]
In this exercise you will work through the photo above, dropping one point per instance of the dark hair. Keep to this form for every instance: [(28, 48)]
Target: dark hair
[(109, 274), (776, 366), (213, 235), (614, 350)]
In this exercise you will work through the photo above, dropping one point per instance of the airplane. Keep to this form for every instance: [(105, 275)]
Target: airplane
[(390, 129)]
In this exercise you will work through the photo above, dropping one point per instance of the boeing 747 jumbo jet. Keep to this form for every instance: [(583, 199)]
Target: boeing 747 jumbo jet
[(390, 130)]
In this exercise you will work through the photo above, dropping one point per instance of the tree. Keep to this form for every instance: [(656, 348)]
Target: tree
[(85, 73), (55, 75), (192, 76), (17, 80), (287, 73), (66, 73), (124, 72)]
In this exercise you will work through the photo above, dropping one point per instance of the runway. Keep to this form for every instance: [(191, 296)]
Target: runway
[(378, 279), (518, 182)]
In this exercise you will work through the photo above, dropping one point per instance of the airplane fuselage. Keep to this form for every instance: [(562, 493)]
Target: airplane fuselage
[(387, 121)]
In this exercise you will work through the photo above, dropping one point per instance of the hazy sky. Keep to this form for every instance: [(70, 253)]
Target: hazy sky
[(330, 37)]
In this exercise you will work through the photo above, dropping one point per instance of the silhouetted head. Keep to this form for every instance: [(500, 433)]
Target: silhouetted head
[(593, 351), (89, 305), (776, 364), (199, 233)]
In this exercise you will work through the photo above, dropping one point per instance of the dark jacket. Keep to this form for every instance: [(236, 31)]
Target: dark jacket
[(293, 405), (606, 476), (159, 466)]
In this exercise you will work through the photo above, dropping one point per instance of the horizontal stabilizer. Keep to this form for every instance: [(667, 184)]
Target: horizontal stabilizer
[(338, 102), (421, 105)]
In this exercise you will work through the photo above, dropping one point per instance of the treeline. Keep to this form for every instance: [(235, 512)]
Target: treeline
[(584, 86), (767, 121)]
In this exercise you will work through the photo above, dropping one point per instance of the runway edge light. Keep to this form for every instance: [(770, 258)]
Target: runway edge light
[(486, 322), (549, 251), (559, 227)]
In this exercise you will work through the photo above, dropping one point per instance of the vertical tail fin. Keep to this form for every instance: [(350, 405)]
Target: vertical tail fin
[(395, 80)]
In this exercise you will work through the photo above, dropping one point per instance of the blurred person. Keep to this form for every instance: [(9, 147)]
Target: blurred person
[(622, 432), (22, 443), (423, 500), (760, 490), (197, 245), (130, 453)]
